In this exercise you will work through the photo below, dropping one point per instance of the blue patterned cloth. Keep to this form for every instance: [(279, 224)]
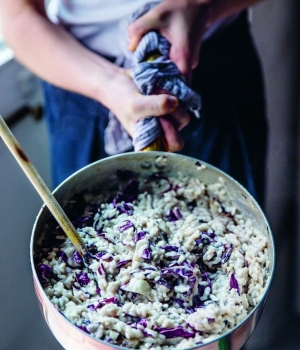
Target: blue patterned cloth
[(160, 73)]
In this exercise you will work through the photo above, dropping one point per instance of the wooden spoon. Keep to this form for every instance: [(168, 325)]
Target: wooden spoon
[(41, 187)]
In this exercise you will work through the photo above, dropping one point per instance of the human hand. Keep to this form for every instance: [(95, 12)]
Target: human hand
[(182, 23), (123, 98)]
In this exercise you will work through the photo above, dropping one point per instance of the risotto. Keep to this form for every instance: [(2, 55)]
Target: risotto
[(173, 264)]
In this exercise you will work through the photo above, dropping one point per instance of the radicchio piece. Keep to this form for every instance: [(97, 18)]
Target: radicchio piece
[(45, 273), (205, 277), (129, 193), (180, 302), (174, 215), (122, 263), (99, 255), (175, 332), (82, 278), (177, 272), (192, 282), (146, 254), (125, 225), (163, 282), (140, 235), (233, 283), (142, 322), (197, 302), (101, 303), (101, 270), (63, 256), (170, 248), (124, 208), (83, 221), (83, 328), (101, 234), (77, 258), (190, 264), (227, 254), (107, 258)]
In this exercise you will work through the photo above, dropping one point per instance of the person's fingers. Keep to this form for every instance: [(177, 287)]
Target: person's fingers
[(153, 105), (180, 118), (141, 26), (171, 134)]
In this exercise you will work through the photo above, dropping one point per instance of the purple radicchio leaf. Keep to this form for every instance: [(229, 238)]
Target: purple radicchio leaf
[(82, 278), (99, 255), (205, 277), (183, 272), (77, 258), (102, 234), (101, 269), (146, 254), (107, 257), (170, 248), (233, 283), (83, 221), (190, 264), (142, 322), (175, 332), (101, 303), (83, 328), (227, 254), (63, 256), (174, 215), (140, 235), (129, 193), (206, 238), (192, 282), (124, 208), (180, 302), (125, 225), (45, 273), (197, 302), (163, 282), (122, 263)]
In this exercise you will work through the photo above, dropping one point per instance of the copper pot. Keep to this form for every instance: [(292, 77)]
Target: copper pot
[(101, 174)]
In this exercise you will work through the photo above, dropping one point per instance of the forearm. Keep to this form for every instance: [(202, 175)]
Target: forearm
[(52, 53)]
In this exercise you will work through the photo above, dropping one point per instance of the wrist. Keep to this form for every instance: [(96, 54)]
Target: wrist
[(102, 79)]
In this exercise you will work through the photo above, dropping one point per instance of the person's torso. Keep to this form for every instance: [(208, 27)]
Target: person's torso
[(95, 23)]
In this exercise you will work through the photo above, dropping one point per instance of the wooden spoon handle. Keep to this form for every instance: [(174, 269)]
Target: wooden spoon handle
[(40, 186)]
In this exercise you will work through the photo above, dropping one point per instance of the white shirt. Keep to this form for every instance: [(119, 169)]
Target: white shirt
[(95, 23)]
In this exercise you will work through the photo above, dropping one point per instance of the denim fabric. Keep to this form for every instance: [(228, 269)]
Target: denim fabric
[(76, 127), (231, 133)]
